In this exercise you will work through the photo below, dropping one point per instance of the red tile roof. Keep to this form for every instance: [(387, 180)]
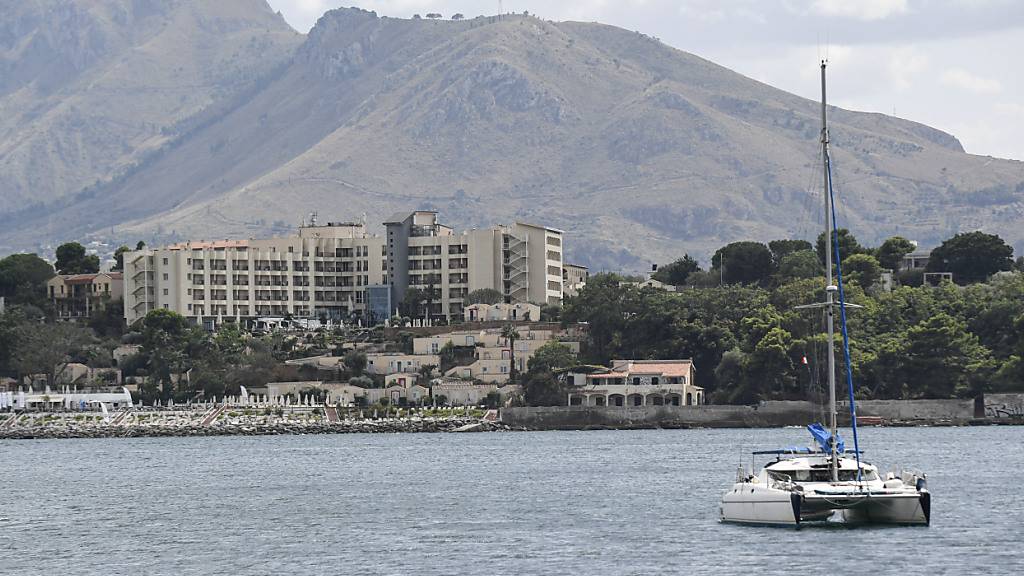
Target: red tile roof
[(89, 278), (659, 367)]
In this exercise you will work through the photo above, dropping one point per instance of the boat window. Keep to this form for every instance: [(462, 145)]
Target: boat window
[(825, 476)]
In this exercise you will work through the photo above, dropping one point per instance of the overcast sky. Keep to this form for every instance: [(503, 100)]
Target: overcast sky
[(951, 64)]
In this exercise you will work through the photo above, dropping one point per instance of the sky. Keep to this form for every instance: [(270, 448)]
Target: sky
[(947, 63)]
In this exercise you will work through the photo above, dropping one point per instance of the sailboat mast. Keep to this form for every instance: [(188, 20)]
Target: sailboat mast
[(830, 289)]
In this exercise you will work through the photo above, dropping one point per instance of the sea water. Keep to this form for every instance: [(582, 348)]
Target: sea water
[(587, 503)]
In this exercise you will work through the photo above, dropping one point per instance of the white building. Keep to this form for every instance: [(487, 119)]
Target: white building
[(637, 383), (339, 271), (492, 352), (520, 311), (455, 392), (386, 363)]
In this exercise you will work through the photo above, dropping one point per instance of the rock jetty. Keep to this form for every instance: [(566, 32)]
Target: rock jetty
[(68, 428)]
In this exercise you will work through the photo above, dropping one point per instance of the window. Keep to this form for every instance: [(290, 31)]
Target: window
[(636, 381), (165, 261), (165, 291), (165, 276)]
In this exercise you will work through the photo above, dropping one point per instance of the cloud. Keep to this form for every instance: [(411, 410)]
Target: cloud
[(905, 63), (965, 80), (860, 9)]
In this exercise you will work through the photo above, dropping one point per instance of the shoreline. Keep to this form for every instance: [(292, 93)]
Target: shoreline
[(394, 426), (383, 426)]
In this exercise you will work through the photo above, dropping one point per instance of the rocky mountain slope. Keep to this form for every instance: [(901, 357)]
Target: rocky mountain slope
[(89, 88), (640, 151)]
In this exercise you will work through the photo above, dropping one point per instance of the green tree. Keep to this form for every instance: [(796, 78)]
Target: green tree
[(48, 348), (541, 386), (550, 312), (448, 356), (356, 362), (170, 344), (743, 262), (676, 272), (800, 264), (782, 248), (550, 357), (971, 257), (412, 303), (862, 269), (361, 381), (108, 321), (72, 259), (771, 366), (942, 356), (426, 372), (732, 385), (848, 246), (510, 334), (119, 258), (892, 251), (484, 296), (23, 280)]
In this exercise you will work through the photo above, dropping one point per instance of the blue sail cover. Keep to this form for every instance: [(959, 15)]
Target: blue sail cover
[(822, 435)]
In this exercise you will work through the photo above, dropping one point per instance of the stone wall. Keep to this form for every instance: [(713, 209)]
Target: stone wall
[(765, 414), (1004, 406), (959, 411)]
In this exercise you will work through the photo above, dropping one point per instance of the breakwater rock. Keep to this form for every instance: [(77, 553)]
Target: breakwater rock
[(75, 430)]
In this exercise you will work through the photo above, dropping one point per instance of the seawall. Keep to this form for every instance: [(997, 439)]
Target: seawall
[(763, 415)]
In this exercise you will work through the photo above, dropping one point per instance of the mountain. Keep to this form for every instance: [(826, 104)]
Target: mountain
[(89, 88), (639, 151)]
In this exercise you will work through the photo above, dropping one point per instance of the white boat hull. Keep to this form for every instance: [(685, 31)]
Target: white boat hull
[(752, 503)]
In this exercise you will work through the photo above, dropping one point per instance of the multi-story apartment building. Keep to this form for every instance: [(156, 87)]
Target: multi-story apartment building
[(339, 270), (522, 261), (323, 271), (79, 295)]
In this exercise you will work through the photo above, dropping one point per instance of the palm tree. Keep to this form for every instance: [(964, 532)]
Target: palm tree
[(509, 333)]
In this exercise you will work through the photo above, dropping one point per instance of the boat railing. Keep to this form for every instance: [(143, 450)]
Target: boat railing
[(797, 452)]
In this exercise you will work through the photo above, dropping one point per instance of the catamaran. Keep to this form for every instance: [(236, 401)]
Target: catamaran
[(827, 482)]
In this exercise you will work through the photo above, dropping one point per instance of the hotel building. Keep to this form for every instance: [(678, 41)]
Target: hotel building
[(340, 271)]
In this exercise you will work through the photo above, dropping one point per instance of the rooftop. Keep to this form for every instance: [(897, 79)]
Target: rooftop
[(89, 278)]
